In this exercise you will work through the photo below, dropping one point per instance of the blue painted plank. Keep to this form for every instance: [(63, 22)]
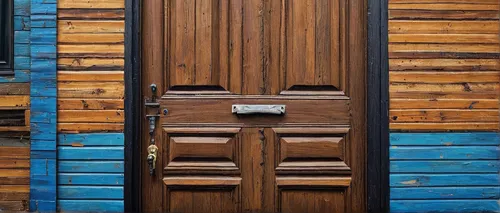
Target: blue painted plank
[(90, 205), (413, 180), (90, 166), (22, 63), (43, 131), (22, 23), (44, 1), (43, 9), (445, 139), (43, 51), (20, 76), (90, 153), (445, 166), (90, 179), (43, 154), (444, 153), (22, 37), (44, 65), (22, 50), (41, 145), (42, 206), (444, 206), (44, 36), (43, 23), (95, 139), (22, 7), (43, 104), (419, 193), (90, 192)]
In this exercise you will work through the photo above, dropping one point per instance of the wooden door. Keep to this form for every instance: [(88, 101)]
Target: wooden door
[(206, 56)]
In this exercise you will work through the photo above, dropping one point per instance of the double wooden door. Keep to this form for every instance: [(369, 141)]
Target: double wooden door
[(260, 106)]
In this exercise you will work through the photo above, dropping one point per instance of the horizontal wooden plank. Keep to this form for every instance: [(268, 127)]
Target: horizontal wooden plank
[(89, 104), (89, 127), (445, 139), (419, 180), (445, 193), (445, 126), (443, 15), (14, 101), (90, 192), (14, 164), (24, 180), (443, 27), (87, 13), (99, 50), (443, 103), (84, 26), (90, 206), (441, 6), (444, 153), (11, 129), (113, 90), (17, 172), (443, 206), (94, 139), (90, 166), (434, 48), (14, 89), (90, 153), (14, 188), (444, 77), (444, 38), (13, 206), (444, 64), (87, 116), (436, 166), (90, 179), (14, 153), (88, 38), (94, 76), (90, 4), (14, 196), (443, 115), (90, 64)]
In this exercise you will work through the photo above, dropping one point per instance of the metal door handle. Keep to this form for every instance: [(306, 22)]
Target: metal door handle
[(247, 109)]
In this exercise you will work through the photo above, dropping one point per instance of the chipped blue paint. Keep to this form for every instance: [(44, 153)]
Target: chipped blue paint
[(445, 172), (90, 205), (42, 64)]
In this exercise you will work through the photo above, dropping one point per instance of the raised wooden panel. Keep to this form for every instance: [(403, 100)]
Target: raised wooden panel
[(199, 43), (311, 44), (202, 194), (300, 201), (311, 150), (202, 149)]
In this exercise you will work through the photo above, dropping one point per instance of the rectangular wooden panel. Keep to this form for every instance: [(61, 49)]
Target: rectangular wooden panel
[(218, 110), (312, 201)]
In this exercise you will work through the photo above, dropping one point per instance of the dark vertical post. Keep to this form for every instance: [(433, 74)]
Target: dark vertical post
[(378, 107)]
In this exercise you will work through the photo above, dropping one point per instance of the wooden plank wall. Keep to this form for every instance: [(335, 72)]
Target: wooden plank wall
[(15, 100), (90, 105), (444, 75)]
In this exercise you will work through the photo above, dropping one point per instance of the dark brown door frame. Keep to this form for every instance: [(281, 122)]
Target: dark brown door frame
[(377, 106)]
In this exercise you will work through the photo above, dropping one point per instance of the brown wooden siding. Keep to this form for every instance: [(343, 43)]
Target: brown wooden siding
[(444, 64), (90, 65)]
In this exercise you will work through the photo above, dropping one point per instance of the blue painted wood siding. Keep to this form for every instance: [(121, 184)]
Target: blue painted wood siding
[(90, 172), (445, 172)]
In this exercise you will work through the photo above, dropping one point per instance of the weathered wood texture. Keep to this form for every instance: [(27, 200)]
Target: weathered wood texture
[(90, 66), (444, 67), (14, 118), (90, 168), (445, 172)]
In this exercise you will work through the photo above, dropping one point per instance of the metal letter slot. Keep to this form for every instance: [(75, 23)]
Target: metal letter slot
[(242, 109)]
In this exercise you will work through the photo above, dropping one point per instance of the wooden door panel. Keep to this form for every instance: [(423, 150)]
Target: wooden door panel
[(311, 45), (217, 110), (311, 150), (200, 38), (202, 194), (316, 200), (202, 150)]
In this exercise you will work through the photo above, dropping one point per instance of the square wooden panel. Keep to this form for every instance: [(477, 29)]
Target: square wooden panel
[(311, 150), (212, 150)]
